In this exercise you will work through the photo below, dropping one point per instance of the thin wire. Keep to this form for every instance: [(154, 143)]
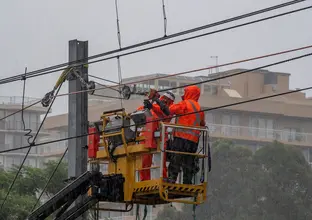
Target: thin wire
[(170, 117), (100, 78), (47, 70), (29, 131), (118, 27), (189, 38), (105, 96), (107, 86), (118, 58), (175, 74), (164, 17), (120, 80), (30, 146), (197, 70), (49, 180), (239, 73), (35, 103)]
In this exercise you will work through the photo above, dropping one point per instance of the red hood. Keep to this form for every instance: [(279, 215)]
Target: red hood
[(191, 92)]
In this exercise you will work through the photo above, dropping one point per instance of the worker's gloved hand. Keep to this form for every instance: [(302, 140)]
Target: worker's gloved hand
[(147, 104), (163, 107)]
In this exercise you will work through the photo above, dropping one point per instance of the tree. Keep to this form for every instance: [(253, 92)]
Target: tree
[(30, 182), (273, 184)]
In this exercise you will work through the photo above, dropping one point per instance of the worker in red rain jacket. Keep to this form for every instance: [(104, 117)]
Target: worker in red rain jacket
[(157, 114), (185, 140)]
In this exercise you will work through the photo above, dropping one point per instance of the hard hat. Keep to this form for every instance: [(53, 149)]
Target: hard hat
[(169, 95)]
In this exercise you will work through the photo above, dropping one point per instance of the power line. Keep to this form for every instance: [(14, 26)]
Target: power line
[(197, 70), (239, 73), (171, 75), (261, 67), (28, 106), (203, 110), (100, 78), (51, 69)]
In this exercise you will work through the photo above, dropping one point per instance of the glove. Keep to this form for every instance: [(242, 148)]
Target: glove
[(147, 104), (163, 107)]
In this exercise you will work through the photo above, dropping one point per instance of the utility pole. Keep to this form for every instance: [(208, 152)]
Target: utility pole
[(77, 112)]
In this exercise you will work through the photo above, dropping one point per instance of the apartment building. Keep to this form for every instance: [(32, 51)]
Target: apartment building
[(287, 118), (12, 133)]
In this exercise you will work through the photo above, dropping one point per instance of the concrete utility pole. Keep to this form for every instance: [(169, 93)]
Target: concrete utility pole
[(77, 112)]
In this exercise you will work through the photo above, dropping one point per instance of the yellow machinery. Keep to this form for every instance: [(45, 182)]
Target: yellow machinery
[(116, 141), (120, 145)]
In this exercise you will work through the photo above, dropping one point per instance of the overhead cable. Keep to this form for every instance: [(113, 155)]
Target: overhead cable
[(118, 58), (164, 17), (172, 75), (203, 110), (196, 70), (237, 103), (238, 73), (57, 68), (100, 78)]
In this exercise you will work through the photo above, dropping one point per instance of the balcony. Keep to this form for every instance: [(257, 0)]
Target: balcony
[(16, 100), (18, 125), (259, 134)]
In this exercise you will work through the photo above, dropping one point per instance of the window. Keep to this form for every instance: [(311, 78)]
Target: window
[(8, 161), (145, 86), (230, 124), (210, 89), (305, 152), (2, 138), (173, 85), (207, 88), (32, 162), (163, 84), (2, 123), (292, 134), (33, 121), (9, 139), (181, 90), (17, 161), (270, 79), (262, 128), (209, 117)]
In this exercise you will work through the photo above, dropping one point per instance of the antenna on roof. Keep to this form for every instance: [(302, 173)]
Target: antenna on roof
[(216, 58)]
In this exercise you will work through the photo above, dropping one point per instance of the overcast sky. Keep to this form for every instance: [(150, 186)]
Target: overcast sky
[(35, 33)]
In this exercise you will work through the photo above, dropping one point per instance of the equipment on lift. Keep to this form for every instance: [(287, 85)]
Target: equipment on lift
[(116, 140)]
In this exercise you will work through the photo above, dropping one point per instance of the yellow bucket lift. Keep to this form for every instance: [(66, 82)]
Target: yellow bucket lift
[(120, 146), (116, 142)]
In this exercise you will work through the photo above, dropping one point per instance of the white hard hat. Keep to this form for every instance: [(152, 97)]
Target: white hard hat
[(170, 95)]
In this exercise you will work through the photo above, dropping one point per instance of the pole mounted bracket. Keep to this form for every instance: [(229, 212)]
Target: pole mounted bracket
[(76, 74)]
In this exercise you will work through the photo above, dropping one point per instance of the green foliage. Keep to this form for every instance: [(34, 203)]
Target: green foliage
[(30, 182), (272, 184)]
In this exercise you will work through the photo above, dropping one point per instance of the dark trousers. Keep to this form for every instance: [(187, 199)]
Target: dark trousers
[(187, 162)]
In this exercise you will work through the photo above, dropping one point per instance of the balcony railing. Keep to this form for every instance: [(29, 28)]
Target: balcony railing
[(18, 125), (17, 100), (259, 133), (130, 217)]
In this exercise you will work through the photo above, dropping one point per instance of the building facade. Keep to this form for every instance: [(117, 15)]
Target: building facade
[(12, 133), (287, 119)]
